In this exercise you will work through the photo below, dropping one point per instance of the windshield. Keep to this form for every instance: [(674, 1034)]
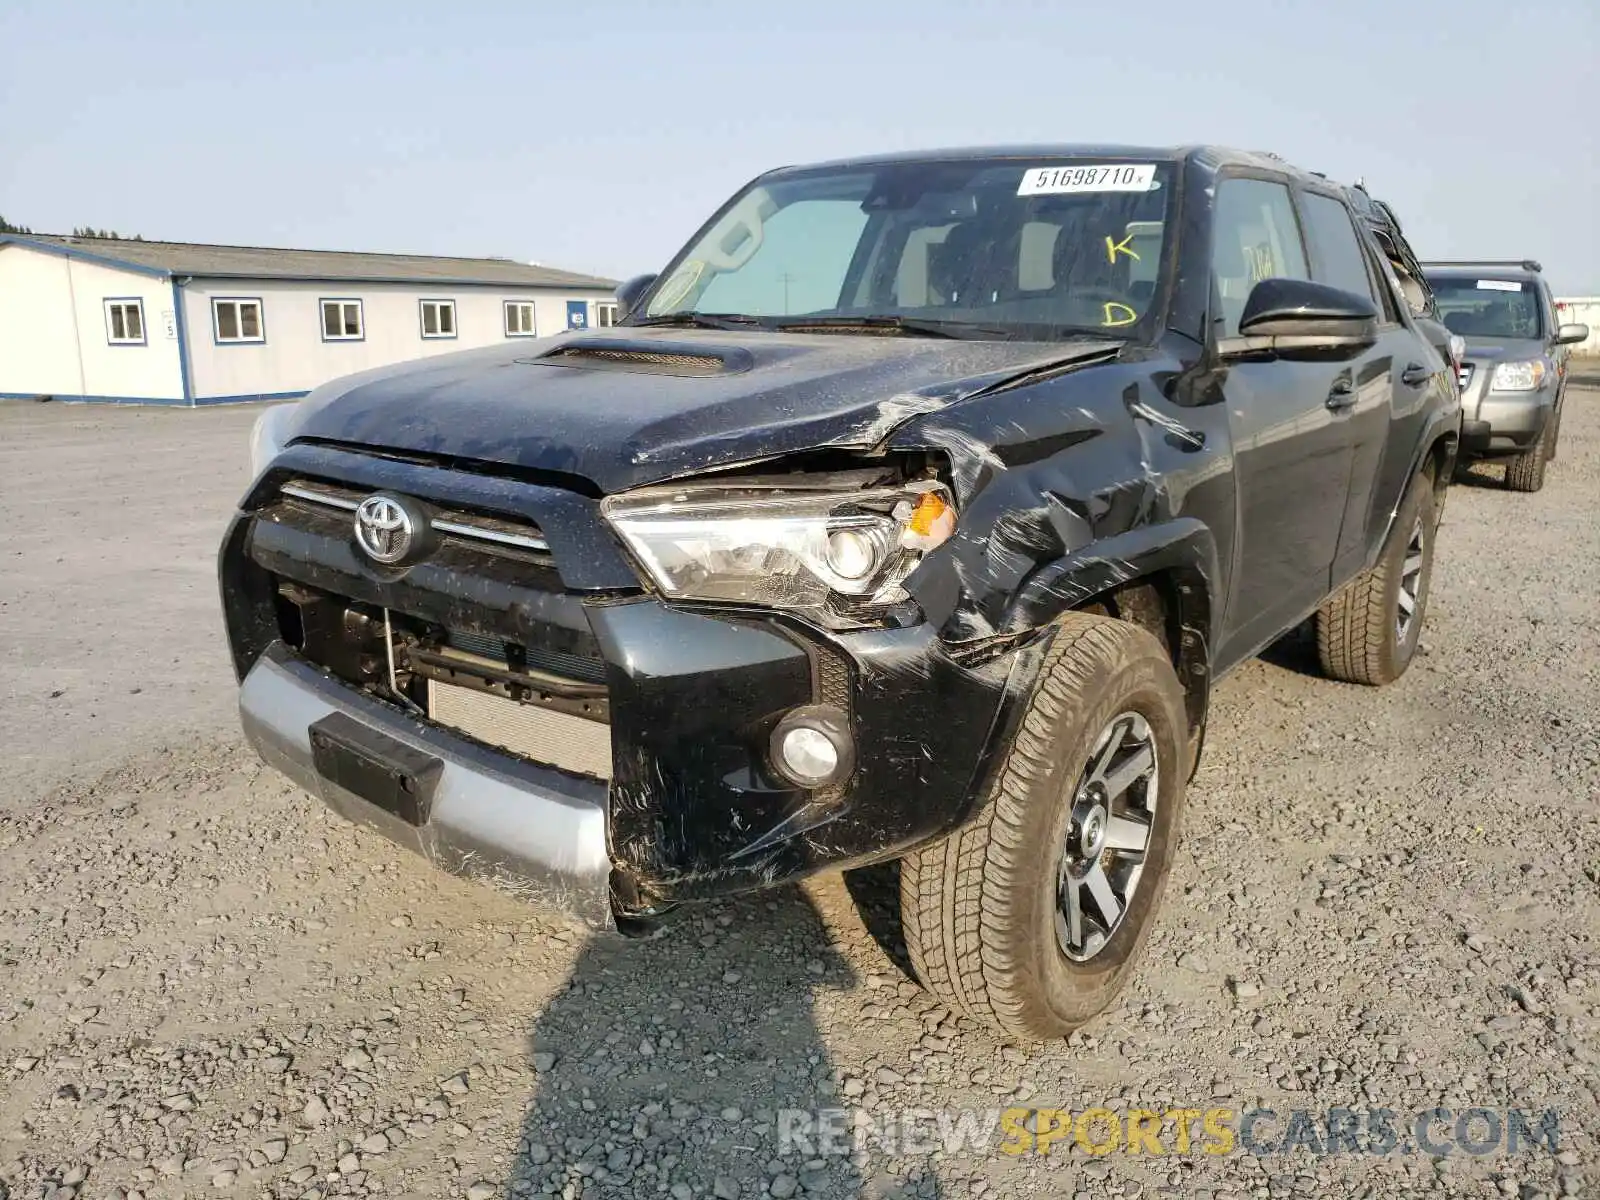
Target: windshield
[(1001, 248), (1491, 308)]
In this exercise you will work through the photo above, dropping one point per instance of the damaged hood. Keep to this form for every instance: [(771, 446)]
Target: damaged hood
[(636, 406)]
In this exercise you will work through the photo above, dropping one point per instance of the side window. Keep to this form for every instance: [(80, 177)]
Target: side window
[(1336, 255), (1254, 237), (1395, 288)]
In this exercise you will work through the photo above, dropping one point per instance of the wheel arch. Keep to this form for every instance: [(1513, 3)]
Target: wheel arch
[(1163, 578), (1439, 462)]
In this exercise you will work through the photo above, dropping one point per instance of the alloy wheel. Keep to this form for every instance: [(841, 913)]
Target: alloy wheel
[(1410, 583), (1113, 814)]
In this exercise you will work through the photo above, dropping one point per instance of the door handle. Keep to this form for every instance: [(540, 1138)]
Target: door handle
[(1415, 376), (1342, 394)]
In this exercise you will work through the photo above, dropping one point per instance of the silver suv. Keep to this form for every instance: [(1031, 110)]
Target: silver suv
[(1514, 371)]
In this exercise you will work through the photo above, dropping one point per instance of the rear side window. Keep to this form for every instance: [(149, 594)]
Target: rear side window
[(1254, 237), (1336, 256)]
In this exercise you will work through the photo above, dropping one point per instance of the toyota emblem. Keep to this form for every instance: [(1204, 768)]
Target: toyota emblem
[(385, 529)]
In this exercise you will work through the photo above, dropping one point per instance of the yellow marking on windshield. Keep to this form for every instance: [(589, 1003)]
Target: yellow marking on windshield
[(1115, 248), (1112, 319)]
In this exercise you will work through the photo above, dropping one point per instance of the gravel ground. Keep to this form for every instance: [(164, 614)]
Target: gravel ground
[(210, 987)]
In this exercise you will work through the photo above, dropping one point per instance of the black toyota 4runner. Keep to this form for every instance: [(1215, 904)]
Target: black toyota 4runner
[(912, 512)]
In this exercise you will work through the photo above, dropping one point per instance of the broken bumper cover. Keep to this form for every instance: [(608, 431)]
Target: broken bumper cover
[(537, 833), (694, 808)]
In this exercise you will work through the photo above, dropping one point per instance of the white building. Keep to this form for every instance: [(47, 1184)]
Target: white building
[(1582, 310), (173, 323)]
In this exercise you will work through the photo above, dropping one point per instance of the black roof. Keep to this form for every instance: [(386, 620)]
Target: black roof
[(1212, 156)]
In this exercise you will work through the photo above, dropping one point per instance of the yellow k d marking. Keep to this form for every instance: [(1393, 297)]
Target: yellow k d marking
[(1112, 317)]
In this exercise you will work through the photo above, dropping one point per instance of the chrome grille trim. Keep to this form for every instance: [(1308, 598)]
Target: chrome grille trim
[(311, 495), (1464, 375), (479, 533), (457, 524)]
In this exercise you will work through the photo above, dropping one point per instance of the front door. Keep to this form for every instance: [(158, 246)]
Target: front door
[(1292, 451)]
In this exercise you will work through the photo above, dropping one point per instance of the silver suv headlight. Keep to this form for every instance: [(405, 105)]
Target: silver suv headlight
[(782, 547), (268, 435), (1518, 377)]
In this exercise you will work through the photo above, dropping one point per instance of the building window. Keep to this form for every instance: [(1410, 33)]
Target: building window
[(238, 321), (125, 322), (605, 314), (438, 318), (519, 318), (341, 321)]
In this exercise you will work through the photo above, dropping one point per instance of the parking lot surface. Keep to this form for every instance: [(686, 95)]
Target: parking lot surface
[(1386, 899)]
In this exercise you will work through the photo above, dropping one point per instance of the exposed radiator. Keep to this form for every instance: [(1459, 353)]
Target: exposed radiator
[(541, 735)]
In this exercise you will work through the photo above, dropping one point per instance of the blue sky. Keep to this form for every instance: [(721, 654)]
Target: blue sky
[(597, 136)]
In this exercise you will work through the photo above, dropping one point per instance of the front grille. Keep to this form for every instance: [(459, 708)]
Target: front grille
[(589, 668), (541, 735), (471, 527), (1464, 375)]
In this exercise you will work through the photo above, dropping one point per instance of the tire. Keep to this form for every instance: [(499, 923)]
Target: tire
[(1363, 634), (981, 908), (1525, 472)]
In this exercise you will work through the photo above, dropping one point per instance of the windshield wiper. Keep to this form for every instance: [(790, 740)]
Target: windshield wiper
[(700, 320), (890, 323)]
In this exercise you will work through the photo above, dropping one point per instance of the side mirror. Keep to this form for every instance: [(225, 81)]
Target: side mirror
[(1569, 335), (629, 293), (1299, 314)]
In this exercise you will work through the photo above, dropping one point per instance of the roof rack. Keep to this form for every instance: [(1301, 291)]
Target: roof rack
[(1527, 264)]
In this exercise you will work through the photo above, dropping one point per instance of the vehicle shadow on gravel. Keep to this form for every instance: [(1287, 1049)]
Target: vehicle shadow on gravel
[(1295, 651), (667, 1064), (1480, 475)]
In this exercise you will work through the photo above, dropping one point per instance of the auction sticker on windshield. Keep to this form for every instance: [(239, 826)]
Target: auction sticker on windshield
[(1112, 177), (1499, 285)]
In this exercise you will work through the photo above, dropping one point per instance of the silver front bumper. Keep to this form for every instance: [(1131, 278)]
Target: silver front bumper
[(1515, 413), (536, 833)]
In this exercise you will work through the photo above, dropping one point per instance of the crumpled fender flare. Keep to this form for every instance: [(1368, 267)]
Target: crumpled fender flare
[(1183, 549)]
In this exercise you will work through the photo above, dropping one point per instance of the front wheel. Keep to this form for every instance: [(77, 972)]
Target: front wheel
[(1525, 472), (1031, 916), (1367, 631)]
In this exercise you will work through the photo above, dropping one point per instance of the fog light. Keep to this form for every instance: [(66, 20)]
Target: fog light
[(811, 746)]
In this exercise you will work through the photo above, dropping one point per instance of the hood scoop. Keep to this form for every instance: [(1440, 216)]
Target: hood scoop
[(644, 358)]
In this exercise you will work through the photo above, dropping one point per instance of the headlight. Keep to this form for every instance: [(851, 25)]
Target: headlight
[(1518, 377), (782, 547), (268, 435)]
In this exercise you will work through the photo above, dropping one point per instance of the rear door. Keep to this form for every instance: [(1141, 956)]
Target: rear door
[(1387, 385), (1291, 449)]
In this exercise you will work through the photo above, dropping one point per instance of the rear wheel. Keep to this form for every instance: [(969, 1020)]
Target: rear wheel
[(1030, 917), (1367, 632), (1525, 472)]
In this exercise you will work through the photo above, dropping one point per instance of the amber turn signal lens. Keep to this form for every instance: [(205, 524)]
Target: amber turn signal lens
[(927, 518)]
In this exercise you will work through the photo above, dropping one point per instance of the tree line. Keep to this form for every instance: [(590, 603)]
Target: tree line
[(82, 231)]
